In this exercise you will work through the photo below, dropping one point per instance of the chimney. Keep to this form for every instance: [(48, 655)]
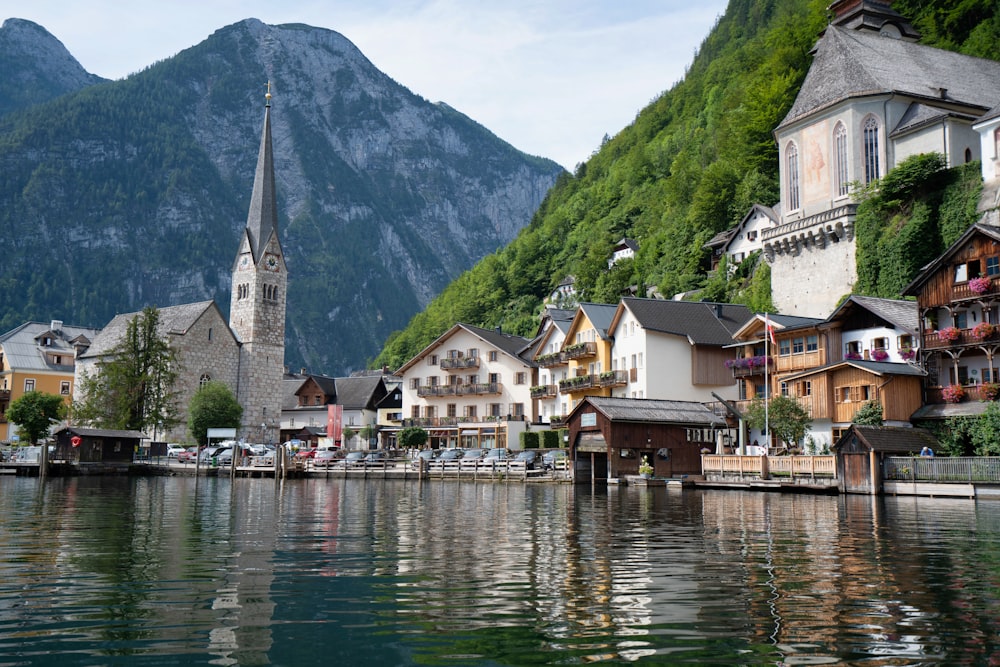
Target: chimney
[(56, 326), (302, 371)]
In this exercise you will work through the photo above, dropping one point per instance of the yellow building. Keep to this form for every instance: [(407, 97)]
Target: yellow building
[(587, 352), (38, 357)]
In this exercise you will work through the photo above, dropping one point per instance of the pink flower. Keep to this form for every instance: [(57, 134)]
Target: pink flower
[(980, 285)]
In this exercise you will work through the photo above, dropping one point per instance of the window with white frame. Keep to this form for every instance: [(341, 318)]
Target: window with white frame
[(871, 149), (792, 176), (29, 384), (841, 180)]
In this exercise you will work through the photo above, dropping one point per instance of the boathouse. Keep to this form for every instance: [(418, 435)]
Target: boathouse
[(862, 450), (93, 445)]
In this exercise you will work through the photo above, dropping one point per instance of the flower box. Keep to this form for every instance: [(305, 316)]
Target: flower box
[(988, 391), (980, 285), (879, 354), (949, 334), (983, 330), (953, 393), (908, 354)]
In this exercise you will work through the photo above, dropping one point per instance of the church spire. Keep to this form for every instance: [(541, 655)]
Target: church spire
[(262, 219)]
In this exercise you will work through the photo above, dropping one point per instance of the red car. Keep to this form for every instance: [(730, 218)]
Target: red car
[(188, 455), (305, 453)]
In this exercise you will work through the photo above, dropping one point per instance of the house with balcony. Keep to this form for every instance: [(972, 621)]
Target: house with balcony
[(587, 352), (471, 387), (958, 296), (624, 249), (674, 350), (744, 239), (39, 356), (552, 366)]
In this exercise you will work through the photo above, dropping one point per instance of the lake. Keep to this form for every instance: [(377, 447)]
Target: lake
[(174, 570)]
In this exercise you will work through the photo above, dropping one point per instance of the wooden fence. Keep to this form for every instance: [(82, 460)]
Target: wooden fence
[(764, 467), (945, 469)]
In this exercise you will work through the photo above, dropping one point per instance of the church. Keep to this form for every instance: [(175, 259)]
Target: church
[(873, 97), (247, 352)]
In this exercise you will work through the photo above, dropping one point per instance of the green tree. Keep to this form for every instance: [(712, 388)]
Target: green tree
[(412, 436), (213, 406), (34, 413), (787, 420), (133, 386), (367, 432), (346, 435), (869, 414), (984, 432)]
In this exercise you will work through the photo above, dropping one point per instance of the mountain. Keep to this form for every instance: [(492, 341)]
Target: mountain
[(133, 192), (36, 66), (691, 165)]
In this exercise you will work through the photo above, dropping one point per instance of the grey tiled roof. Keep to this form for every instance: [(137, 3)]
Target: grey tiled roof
[(877, 367), (359, 393), (600, 315), (175, 320), (890, 439), (919, 115), (653, 410), (102, 433), (852, 63), (509, 343), (23, 350), (901, 314), (703, 323)]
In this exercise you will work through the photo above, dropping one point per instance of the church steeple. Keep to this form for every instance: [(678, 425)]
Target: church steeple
[(262, 218)]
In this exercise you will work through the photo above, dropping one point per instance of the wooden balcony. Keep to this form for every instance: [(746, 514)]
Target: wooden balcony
[(459, 363), (578, 383), (799, 362), (580, 350), (947, 338), (550, 360), (613, 379), (544, 391), (477, 389)]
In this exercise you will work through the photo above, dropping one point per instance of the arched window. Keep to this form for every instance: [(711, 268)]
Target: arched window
[(841, 178), (968, 155), (792, 175), (871, 149), (205, 379)]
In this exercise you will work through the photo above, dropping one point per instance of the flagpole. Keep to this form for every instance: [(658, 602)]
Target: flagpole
[(767, 384)]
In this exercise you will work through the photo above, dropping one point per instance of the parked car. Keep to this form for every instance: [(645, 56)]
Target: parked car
[(557, 458), (497, 455), (426, 456), (189, 455), (327, 457), (304, 454), (474, 454), (529, 457), (208, 453), (355, 458), (450, 455), (376, 456), (173, 451)]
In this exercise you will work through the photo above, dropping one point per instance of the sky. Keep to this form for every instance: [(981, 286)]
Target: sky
[(551, 77)]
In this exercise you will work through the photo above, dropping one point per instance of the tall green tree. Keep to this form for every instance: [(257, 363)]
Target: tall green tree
[(133, 387), (869, 414), (212, 406), (412, 436), (34, 412)]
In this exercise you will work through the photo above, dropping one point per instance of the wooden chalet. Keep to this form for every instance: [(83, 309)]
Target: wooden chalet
[(75, 444), (610, 436), (861, 450)]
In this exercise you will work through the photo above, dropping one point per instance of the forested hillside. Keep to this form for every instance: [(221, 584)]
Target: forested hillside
[(689, 166)]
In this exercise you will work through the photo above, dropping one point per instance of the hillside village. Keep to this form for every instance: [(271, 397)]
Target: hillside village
[(873, 98)]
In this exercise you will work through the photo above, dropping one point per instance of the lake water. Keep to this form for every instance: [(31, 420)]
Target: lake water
[(165, 571)]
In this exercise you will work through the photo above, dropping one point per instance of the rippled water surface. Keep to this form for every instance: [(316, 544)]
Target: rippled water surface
[(164, 571)]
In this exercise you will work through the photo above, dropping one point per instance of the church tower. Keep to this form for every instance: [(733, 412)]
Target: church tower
[(257, 309)]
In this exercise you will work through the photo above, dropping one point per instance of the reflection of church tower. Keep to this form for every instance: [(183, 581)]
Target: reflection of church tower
[(257, 309)]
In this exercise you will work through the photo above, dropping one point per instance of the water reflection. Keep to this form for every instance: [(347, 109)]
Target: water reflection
[(306, 571)]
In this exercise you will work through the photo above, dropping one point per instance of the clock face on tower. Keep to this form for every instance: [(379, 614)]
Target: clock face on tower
[(244, 261), (271, 263)]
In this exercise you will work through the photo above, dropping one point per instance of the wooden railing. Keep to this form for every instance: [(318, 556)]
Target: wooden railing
[(769, 466), (945, 469)]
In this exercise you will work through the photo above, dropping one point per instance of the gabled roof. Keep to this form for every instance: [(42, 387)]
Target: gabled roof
[(903, 315), (755, 210), (651, 410), (889, 439), (946, 257), (102, 433), (920, 115), (780, 323), (23, 351), (702, 323), (598, 314), (880, 368), (514, 346), (394, 399), (174, 320), (290, 386), (856, 63), (359, 393), (630, 244)]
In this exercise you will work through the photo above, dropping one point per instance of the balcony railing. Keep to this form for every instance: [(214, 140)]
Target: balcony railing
[(460, 389), (580, 350), (544, 391), (578, 383), (551, 359), (952, 337), (613, 378), (459, 363)]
